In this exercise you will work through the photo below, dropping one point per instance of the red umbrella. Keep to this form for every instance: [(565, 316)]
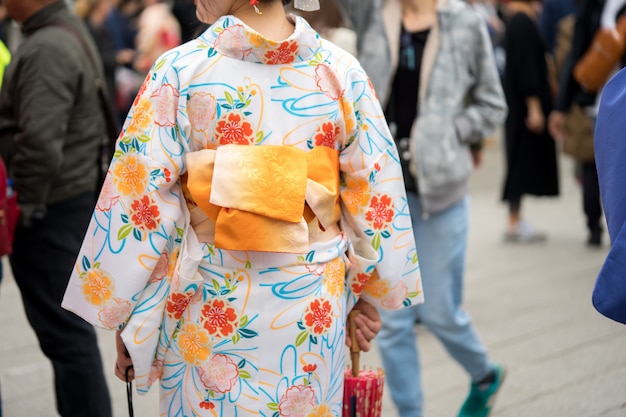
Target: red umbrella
[(363, 389)]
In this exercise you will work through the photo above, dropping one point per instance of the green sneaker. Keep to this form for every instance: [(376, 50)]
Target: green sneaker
[(482, 396)]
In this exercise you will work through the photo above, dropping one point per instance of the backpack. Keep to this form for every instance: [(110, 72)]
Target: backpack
[(9, 212)]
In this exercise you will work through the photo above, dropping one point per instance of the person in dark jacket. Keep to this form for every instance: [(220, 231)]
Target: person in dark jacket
[(591, 16), (51, 129)]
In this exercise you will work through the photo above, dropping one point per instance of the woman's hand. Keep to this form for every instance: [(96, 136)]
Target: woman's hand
[(535, 120), (556, 124), (123, 360), (368, 324)]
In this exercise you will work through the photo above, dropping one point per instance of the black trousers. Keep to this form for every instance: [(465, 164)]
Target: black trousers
[(591, 196), (42, 260)]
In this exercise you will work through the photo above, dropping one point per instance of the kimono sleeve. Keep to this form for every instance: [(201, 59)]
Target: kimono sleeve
[(132, 241), (383, 266)]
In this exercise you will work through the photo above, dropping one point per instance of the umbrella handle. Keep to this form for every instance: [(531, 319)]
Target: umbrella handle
[(355, 349)]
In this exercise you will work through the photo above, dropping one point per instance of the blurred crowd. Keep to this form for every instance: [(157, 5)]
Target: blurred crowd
[(130, 35)]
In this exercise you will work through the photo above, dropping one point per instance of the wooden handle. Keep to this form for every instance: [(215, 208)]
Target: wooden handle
[(355, 349)]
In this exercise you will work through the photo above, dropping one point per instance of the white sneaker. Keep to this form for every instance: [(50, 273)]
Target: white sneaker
[(524, 233)]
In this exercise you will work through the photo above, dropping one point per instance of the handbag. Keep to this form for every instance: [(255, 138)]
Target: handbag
[(9, 212), (578, 135), (593, 69)]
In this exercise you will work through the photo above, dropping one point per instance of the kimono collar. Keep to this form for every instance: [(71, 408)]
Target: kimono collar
[(231, 37)]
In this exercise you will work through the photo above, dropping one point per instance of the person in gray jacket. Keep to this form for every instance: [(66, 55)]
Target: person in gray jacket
[(371, 40), (51, 129), (368, 40), (445, 98)]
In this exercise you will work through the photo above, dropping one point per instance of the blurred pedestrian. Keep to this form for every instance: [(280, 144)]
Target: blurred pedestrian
[(445, 98), (489, 10), (366, 19), (356, 26), (157, 31), (331, 22), (94, 13), (51, 129), (531, 158), (552, 11), (594, 16), (121, 24), (254, 199), (609, 293), (185, 12)]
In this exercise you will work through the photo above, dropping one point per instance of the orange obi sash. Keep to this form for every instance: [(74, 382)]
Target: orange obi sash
[(262, 198)]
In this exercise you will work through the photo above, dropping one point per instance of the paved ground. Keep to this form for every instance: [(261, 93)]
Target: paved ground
[(531, 305)]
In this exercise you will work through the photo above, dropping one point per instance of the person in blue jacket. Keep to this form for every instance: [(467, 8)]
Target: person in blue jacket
[(609, 293)]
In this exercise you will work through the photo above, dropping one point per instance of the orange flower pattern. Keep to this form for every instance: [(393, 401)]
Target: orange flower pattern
[(141, 117), (357, 194), (193, 342), (130, 175), (98, 287), (334, 274), (322, 410)]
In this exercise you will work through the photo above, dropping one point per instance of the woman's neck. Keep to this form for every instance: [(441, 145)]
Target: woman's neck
[(418, 15), (272, 23)]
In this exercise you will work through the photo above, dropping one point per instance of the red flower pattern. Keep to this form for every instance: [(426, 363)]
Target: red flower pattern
[(285, 54), (234, 128), (326, 135), (358, 283), (208, 405), (219, 318), (317, 317), (145, 214), (380, 212), (309, 367), (177, 302)]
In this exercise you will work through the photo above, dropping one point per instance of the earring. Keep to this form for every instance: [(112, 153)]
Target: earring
[(254, 3)]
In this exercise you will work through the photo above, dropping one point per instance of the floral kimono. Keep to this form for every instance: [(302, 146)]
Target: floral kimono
[(255, 194)]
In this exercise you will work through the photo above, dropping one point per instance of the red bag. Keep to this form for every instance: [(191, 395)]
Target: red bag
[(9, 212)]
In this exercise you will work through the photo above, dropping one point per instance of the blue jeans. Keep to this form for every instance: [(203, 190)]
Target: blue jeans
[(441, 241)]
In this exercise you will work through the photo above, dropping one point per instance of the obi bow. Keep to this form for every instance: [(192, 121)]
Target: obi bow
[(262, 198)]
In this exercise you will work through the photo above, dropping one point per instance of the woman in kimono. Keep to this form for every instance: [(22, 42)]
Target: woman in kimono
[(254, 198)]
